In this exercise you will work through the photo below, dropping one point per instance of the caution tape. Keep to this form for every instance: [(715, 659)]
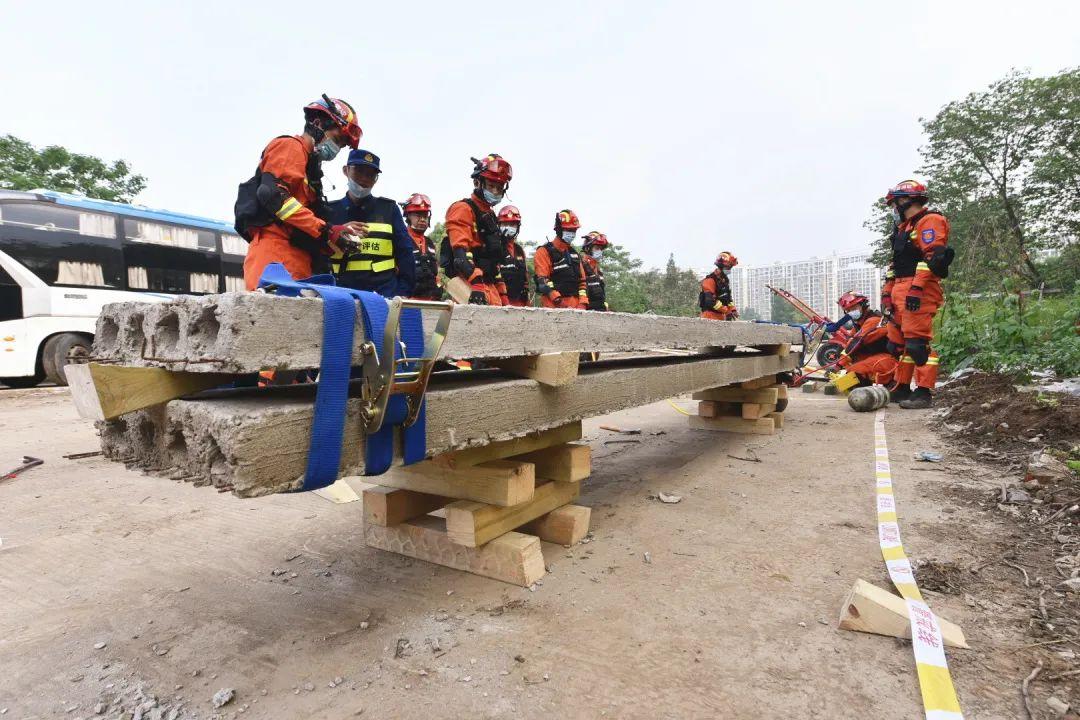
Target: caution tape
[(938, 693)]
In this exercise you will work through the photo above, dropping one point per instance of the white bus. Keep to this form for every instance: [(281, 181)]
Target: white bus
[(62, 257)]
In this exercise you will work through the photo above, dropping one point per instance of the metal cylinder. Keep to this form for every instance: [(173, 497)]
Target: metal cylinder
[(865, 399)]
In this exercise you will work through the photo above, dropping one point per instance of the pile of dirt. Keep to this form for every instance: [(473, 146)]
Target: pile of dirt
[(987, 408)]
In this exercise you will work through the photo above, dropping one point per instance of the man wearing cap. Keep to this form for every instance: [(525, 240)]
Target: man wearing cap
[(381, 261)]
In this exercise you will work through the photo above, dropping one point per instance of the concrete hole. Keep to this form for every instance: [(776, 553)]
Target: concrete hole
[(176, 447), (146, 431), (205, 326), (166, 333), (105, 341), (133, 332)]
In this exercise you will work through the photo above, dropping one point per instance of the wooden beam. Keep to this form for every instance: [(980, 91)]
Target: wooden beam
[(390, 506), (512, 558), (761, 426), (870, 609), (753, 411), (510, 448), (498, 482), (781, 392), (554, 369), (566, 463), (473, 524), (458, 290), (567, 525), (719, 408), (103, 392), (738, 394), (778, 419), (775, 349), (757, 383)]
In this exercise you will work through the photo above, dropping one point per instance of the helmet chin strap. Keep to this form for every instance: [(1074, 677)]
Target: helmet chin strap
[(315, 130)]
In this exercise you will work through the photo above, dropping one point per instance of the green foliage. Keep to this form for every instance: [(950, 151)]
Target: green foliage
[(783, 312), (1012, 333), (24, 167)]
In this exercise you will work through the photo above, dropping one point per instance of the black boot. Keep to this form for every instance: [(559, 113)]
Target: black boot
[(919, 400), (899, 393)]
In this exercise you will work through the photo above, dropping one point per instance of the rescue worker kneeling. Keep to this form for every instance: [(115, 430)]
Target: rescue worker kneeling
[(474, 246), (382, 261), (592, 250), (512, 267), (715, 299), (557, 268), (865, 354), (281, 210), (418, 219)]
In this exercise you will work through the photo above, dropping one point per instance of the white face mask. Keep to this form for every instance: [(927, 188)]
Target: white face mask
[(491, 198), (509, 231), (357, 190), (327, 150), (855, 314), (895, 214), (597, 254), (568, 236)]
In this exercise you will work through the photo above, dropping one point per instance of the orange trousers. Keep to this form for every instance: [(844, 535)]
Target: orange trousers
[(269, 248), (919, 324), (878, 368), (519, 303), (492, 294), (568, 302), (716, 314)]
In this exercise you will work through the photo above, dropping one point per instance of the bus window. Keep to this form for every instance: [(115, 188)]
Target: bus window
[(204, 283), (142, 231), (234, 284), (233, 244), (62, 246)]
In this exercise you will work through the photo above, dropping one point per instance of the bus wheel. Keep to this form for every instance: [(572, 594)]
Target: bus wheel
[(20, 383), (62, 350)]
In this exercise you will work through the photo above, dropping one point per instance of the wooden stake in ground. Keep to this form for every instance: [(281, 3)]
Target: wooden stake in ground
[(870, 609)]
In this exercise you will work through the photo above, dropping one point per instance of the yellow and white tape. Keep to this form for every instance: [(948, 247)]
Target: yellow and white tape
[(938, 693)]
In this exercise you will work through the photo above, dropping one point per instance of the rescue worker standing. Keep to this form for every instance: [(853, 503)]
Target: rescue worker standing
[(866, 354), (715, 299), (920, 259), (281, 210), (473, 233), (512, 267), (383, 260), (592, 250), (418, 218), (557, 267)]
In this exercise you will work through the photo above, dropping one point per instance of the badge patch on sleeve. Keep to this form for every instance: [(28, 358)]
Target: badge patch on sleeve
[(928, 236)]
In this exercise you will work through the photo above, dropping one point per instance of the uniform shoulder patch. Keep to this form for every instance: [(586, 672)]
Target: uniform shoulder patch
[(928, 236)]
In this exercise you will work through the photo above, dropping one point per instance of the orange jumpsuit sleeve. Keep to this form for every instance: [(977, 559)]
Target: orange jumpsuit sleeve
[(459, 229), (286, 159), (542, 266), (709, 285), (582, 293), (932, 232)]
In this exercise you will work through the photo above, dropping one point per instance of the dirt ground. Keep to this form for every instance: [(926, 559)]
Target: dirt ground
[(120, 592)]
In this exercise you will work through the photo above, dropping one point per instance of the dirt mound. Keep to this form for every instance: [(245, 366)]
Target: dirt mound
[(987, 408)]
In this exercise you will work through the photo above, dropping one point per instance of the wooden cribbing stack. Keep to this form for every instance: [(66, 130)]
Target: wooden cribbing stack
[(753, 407), (429, 511)]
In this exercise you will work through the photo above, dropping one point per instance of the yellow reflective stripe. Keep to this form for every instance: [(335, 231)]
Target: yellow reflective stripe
[(375, 246), (907, 359), (288, 209), (374, 227), (890, 274), (922, 266), (369, 266), (933, 361)]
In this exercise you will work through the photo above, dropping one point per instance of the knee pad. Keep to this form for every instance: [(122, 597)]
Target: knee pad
[(892, 348), (918, 349)]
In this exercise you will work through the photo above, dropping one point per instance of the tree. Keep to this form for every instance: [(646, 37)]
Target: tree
[(24, 167), (622, 282), (783, 312)]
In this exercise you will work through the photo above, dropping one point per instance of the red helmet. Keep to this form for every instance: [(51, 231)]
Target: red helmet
[(567, 220), (908, 188), (850, 300), (417, 203), (493, 167), (726, 259), (595, 239), (340, 113), (510, 214)]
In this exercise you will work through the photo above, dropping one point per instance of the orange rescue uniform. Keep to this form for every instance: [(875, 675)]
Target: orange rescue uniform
[(543, 269), (721, 290), (463, 233), (869, 359), (926, 232), (286, 159), (427, 264)]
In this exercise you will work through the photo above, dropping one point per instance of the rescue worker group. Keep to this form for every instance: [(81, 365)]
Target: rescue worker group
[(366, 243)]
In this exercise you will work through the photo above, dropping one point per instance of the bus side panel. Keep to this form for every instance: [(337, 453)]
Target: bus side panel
[(18, 356)]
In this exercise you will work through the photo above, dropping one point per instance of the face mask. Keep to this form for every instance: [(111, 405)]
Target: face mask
[(895, 215), (568, 236), (855, 314), (723, 270), (491, 198), (327, 150), (357, 190), (597, 254), (509, 231)]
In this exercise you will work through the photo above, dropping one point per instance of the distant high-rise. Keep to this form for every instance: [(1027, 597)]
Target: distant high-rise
[(817, 281)]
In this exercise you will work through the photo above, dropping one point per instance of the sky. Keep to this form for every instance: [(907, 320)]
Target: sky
[(766, 129)]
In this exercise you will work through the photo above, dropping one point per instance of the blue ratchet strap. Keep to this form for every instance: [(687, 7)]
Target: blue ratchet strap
[(328, 423)]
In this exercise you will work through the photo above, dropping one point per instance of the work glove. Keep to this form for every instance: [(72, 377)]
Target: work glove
[(913, 301), (733, 313), (505, 299), (719, 306), (478, 297), (342, 238), (886, 304)]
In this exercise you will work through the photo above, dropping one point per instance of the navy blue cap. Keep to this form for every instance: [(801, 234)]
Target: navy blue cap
[(364, 157)]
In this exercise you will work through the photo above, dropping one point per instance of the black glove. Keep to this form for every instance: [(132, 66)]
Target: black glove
[(912, 303), (478, 297)]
